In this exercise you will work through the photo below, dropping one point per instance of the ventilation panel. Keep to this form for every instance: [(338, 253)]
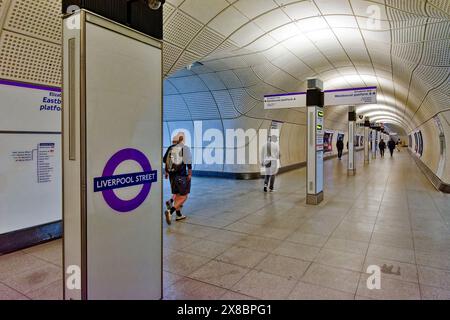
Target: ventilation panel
[(435, 12), (254, 59), (189, 84), (437, 53), (242, 100), (225, 47), (409, 53), (168, 9), (180, 29), (431, 77), (414, 7), (225, 104), (201, 106), (235, 62), (212, 81), (175, 109), (230, 79), (171, 54), (206, 42), (169, 88), (442, 5), (216, 65), (29, 60), (264, 71), (38, 18), (247, 77), (1, 8)]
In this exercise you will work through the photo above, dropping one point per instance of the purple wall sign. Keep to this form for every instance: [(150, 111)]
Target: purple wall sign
[(108, 182)]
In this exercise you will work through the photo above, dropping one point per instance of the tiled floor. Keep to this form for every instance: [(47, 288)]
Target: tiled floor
[(239, 243)]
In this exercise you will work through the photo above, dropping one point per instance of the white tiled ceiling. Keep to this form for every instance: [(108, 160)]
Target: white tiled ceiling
[(256, 46)]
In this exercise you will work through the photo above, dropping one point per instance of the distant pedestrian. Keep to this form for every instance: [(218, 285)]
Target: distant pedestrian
[(340, 147), (382, 147), (269, 160), (391, 146)]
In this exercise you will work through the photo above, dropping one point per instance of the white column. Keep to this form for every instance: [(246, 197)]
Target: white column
[(351, 169), (112, 182), (374, 143), (315, 132), (366, 141)]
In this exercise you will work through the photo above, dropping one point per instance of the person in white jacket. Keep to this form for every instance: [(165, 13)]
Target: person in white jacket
[(270, 158)]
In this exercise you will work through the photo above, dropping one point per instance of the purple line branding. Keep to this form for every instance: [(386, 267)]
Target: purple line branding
[(109, 182)]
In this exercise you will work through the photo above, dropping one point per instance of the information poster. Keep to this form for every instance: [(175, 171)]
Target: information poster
[(328, 141), (30, 168)]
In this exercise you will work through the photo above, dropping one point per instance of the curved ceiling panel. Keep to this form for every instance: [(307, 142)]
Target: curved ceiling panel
[(402, 47)]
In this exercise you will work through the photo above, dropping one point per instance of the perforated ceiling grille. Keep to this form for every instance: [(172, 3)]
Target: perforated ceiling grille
[(180, 29), (170, 55), (36, 18), (168, 9), (206, 42), (30, 60)]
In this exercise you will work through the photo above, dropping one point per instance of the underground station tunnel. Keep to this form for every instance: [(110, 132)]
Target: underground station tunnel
[(224, 150)]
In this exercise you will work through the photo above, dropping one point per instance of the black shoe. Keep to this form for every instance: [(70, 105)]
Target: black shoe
[(265, 189), (168, 205), (168, 215)]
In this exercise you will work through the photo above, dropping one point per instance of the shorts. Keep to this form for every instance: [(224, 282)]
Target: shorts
[(180, 185)]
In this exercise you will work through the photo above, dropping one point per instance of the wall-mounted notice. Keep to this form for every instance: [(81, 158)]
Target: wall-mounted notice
[(26, 107), (44, 158), (30, 168)]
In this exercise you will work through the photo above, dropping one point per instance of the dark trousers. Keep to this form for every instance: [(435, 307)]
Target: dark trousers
[(391, 151), (340, 153), (270, 179), (382, 152)]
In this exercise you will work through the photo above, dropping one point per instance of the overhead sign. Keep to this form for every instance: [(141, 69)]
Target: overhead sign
[(351, 96), (285, 100)]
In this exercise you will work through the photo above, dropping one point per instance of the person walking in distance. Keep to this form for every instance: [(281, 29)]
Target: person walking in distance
[(391, 146), (382, 147), (340, 147), (269, 157), (180, 166), (168, 174)]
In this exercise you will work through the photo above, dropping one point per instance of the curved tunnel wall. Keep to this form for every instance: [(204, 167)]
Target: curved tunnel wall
[(233, 99), (435, 153)]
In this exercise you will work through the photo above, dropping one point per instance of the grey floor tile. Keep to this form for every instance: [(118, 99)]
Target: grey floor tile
[(265, 286), (331, 277), (306, 291)]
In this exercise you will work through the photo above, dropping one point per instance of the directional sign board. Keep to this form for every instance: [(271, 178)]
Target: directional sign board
[(351, 96), (285, 100)]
